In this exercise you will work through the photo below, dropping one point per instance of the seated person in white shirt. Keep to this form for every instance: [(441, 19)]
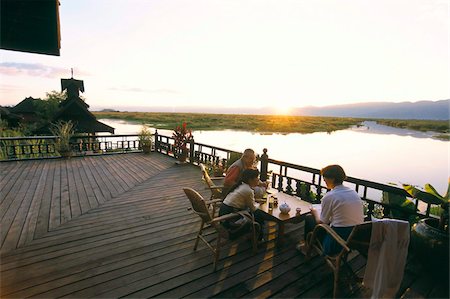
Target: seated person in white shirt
[(242, 197), (341, 208)]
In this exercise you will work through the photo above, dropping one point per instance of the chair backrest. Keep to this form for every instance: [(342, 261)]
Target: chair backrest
[(206, 176), (216, 192), (198, 204), (359, 238)]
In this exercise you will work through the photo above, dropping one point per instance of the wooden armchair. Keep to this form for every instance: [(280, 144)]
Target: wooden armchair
[(216, 190), (358, 240), (199, 205)]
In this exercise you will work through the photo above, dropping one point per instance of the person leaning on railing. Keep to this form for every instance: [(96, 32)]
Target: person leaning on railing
[(341, 208), (234, 172)]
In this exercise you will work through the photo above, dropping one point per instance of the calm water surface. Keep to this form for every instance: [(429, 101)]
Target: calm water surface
[(372, 152)]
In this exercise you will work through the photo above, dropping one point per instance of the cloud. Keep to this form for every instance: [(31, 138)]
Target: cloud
[(36, 70), (138, 89)]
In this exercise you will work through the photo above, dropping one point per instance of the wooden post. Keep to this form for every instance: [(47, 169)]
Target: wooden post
[(264, 164), (157, 142), (191, 150)]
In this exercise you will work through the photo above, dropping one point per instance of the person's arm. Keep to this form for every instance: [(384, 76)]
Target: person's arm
[(250, 199), (231, 176), (325, 214), (263, 184), (316, 215)]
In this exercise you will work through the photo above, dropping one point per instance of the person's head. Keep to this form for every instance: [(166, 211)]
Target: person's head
[(333, 175), (250, 177), (248, 158)]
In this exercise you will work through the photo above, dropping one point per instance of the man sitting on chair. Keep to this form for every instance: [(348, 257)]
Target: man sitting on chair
[(341, 208), (234, 172)]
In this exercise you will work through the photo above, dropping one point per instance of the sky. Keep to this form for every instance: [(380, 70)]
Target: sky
[(241, 53)]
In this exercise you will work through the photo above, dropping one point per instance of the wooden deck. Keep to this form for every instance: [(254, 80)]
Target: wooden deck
[(119, 226)]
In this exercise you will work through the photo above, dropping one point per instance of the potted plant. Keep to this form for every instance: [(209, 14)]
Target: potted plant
[(181, 135), (64, 131), (145, 139), (429, 237)]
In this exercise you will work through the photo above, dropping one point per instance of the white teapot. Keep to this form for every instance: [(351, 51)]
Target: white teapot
[(285, 208)]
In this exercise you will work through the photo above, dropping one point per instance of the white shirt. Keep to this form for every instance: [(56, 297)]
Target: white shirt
[(241, 198), (342, 207)]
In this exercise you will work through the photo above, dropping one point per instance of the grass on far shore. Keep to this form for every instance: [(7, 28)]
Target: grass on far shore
[(269, 123), (252, 123), (440, 126)]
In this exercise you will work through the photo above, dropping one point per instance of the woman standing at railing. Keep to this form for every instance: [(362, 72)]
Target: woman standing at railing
[(341, 208)]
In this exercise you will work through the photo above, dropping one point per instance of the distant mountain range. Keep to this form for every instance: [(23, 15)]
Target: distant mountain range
[(433, 110), (438, 110)]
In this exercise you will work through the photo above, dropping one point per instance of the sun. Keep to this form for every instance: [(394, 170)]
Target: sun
[(282, 110)]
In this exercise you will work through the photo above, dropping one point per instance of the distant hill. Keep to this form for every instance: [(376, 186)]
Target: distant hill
[(432, 110), (436, 110)]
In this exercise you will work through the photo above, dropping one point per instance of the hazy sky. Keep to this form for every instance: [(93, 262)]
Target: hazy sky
[(240, 53)]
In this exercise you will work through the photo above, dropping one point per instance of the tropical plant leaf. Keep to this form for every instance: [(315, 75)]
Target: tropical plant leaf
[(430, 189), (422, 195)]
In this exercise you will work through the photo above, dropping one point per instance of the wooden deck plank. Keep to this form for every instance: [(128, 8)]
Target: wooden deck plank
[(100, 190), (29, 226), (23, 199), (137, 241), (55, 204), (42, 225), (66, 209), (75, 206), (17, 195), (13, 187), (91, 188), (110, 177), (12, 174), (79, 188)]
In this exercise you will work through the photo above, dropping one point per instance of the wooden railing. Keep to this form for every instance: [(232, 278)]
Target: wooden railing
[(37, 147), (302, 181), (298, 180)]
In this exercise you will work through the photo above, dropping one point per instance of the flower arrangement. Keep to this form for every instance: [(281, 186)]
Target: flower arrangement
[(182, 135)]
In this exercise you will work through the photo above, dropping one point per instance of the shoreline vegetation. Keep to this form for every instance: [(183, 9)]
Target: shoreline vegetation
[(269, 123)]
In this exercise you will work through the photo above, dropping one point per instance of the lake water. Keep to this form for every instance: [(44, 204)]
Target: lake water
[(372, 152)]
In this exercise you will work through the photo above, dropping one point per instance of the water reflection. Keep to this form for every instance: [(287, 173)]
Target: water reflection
[(380, 157), (374, 128)]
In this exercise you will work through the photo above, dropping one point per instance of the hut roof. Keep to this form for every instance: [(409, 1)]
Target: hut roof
[(26, 106), (76, 111)]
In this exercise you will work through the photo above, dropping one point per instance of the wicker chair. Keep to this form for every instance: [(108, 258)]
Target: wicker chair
[(358, 240), (199, 205), (216, 190)]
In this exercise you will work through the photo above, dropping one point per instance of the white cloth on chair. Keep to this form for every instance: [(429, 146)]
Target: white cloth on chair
[(386, 257)]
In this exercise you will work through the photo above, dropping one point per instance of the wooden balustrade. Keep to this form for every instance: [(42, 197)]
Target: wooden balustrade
[(298, 180)]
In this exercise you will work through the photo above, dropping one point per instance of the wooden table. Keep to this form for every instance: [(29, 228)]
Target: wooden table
[(281, 218)]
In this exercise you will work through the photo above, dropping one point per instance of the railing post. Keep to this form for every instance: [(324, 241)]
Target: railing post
[(156, 142), (191, 150), (264, 165)]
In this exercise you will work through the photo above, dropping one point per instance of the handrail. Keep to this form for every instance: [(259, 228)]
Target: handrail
[(41, 147)]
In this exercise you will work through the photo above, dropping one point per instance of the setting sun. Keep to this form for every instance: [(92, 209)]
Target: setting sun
[(282, 110)]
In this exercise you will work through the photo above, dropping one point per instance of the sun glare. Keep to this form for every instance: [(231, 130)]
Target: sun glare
[(282, 110)]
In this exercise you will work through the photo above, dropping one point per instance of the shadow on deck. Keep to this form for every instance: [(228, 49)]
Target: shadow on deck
[(119, 225)]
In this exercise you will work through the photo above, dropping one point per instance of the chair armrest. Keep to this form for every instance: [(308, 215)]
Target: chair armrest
[(332, 233), (216, 187), (217, 178), (217, 200), (226, 217)]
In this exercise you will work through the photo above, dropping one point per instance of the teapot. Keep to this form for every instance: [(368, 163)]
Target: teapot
[(285, 208)]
